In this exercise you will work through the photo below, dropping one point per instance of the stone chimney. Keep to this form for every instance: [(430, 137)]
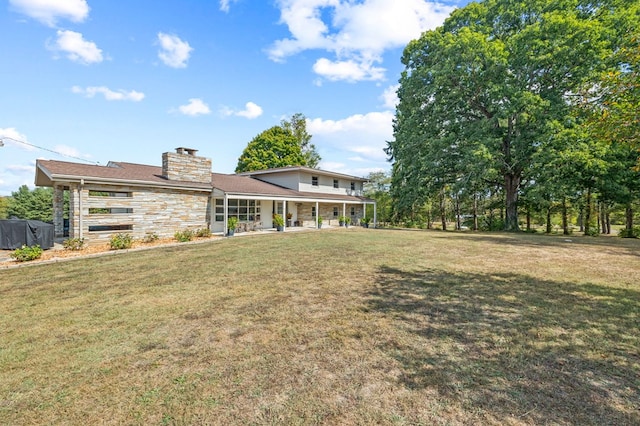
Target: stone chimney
[(185, 165)]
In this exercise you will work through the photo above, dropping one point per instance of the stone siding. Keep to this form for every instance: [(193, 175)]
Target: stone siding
[(154, 210), (186, 167)]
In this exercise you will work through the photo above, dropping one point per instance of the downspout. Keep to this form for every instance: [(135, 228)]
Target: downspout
[(80, 207)]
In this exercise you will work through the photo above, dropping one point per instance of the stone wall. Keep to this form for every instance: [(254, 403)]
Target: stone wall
[(186, 167), (153, 210)]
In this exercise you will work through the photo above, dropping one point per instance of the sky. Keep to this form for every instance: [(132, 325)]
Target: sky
[(94, 81)]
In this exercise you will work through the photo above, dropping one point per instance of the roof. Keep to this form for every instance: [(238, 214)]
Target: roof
[(304, 169), (121, 173)]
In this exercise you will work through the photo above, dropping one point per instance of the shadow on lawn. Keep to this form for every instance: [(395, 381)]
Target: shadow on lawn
[(514, 347)]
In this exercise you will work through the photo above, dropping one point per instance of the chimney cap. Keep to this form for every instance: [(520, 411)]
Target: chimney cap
[(190, 151)]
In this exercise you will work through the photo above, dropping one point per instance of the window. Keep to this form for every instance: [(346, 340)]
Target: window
[(113, 210), (353, 211), (335, 183), (313, 211), (219, 210), (109, 194), (353, 186), (101, 228), (244, 210), (335, 212), (314, 180)]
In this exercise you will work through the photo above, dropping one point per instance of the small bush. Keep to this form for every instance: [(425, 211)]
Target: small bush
[(183, 236), (121, 241), (73, 244), (203, 233), (26, 253), (150, 237), (630, 233)]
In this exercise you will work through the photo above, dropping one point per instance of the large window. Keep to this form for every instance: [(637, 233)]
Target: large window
[(335, 212), (244, 210)]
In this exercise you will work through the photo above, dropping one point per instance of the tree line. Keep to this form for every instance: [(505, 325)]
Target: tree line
[(516, 109)]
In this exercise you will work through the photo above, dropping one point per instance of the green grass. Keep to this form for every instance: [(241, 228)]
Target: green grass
[(331, 327)]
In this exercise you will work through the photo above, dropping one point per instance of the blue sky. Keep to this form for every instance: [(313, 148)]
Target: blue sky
[(101, 80)]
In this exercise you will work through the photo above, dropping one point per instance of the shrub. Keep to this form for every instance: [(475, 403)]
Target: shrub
[(73, 244), (232, 223), (203, 233), (121, 241), (26, 253), (630, 233), (183, 236), (150, 237)]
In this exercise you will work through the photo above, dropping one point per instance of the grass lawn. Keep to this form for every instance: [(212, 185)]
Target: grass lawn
[(349, 326)]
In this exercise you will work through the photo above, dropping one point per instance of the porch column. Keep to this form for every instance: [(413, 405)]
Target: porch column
[(317, 213), (225, 205), (58, 211), (80, 191), (284, 214)]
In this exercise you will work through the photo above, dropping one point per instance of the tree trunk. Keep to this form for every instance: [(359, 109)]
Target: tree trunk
[(548, 220), (608, 221), (475, 212), (458, 219), (565, 219), (629, 219), (587, 213), (528, 219), (443, 213), (511, 186)]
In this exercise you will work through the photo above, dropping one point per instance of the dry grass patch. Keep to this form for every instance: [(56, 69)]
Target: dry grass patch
[(347, 327)]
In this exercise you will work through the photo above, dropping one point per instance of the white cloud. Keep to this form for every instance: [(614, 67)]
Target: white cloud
[(68, 151), (357, 33), (173, 51), (20, 169), (224, 4), (390, 97), (250, 111), (110, 95), (49, 11), (351, 70), (77, 48), (10, 136), (195, 107), (362, 134)]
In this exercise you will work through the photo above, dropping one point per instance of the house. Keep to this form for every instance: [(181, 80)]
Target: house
[(184, 194)]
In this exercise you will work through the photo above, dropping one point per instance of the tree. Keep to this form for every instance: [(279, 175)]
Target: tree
[(35, 205), (377, 187), (489, 88), (4, 205), (275, 147), (297, 125), (611, 105)]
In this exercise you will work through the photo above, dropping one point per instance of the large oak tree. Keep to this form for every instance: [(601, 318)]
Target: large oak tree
[(482, 95)]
